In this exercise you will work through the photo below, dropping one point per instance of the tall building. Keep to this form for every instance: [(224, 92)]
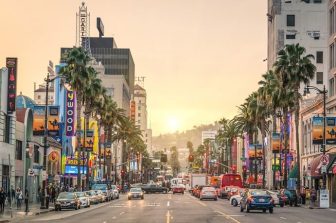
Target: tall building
[(303, 22), (117, 61), (40, 95)]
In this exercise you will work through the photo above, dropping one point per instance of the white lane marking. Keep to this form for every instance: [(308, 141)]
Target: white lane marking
[(153, 205), (168, 203), (121, 213), (236, 215), (168, 216), (283, 218), (114, 217), (104, 221), (201, 203), (227, 216)]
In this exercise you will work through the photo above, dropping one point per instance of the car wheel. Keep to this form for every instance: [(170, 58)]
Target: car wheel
[(247, 209), (234, 203), (264, 210), (142, 198), (173, 193), (129, 198), (201, 199), (282, 205), (215, 199), (271, 210), (241, 209), (76, 207), (60, 209)]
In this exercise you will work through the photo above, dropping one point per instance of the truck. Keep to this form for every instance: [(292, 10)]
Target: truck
[(198, 179)]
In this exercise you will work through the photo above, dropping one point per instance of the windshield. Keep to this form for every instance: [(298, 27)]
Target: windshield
[(99, 187), (80, 194), (208, 189), (136, 190), (113, 187), (66, 196), (259, 192)]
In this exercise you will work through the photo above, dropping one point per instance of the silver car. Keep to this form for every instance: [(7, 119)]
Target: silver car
[(208, 193), (84, 199), (115, 191)]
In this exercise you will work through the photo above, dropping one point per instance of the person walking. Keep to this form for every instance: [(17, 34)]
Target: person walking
[(2, 200), (26, 199), (12, 197), (312, 198), (19, 198)]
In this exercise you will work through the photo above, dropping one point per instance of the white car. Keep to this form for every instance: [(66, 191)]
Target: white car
[(84, 199), (274, 196), (115, 191), (235, 199)]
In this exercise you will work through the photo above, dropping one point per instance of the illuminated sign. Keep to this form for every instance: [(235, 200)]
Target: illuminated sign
[(74, 161), (70, 113), (53, 121), (275, 142), (69, 169), (11, 64), (53, 157)]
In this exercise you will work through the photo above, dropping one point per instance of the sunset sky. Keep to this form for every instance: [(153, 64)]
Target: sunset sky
[(201, 58)]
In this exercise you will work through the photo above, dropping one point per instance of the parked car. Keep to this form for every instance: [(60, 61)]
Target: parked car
[(224, 192), (105, 190), (276, 197), (94, 199), (289, 197), (198, 191), (232, 191), (135, 192), (101, 197), (84, 199), (115, 191), (67, 200), (178, 189), (256, 199), (208, 193)]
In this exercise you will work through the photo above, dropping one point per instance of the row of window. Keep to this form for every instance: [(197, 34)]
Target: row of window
[(19, 150)]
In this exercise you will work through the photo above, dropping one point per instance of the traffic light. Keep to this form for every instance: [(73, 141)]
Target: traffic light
[(191, 158)]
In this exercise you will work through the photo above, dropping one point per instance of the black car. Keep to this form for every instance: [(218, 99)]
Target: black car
[(135, 193), (256, 200), (67, 200), (154, 188)]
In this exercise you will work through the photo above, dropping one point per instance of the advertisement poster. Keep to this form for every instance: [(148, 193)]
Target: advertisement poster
[(38, 124), (317, 130), (255, 151), (70, 113), (53, 121), (330, 131), (275, 142), (89, 140), (11, 64)]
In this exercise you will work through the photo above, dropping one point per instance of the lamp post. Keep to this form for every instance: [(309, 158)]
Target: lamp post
[(324, 92)]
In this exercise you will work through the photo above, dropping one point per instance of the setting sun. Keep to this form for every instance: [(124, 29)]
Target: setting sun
[(173, 124)]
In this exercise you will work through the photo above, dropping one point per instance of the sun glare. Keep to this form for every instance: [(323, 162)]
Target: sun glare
[(173, 124)]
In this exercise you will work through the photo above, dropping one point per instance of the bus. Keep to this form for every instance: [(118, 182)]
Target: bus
[(230, 179)]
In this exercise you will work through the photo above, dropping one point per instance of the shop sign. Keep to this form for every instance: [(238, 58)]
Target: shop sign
[(324, 198), (11, 64), (255, 151), (53, 157), (74, 162), (70, 113)]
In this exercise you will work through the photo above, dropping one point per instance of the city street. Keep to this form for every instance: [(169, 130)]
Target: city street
[(179, 208)]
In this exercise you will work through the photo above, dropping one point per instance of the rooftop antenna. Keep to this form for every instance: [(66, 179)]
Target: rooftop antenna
[(140, 81)]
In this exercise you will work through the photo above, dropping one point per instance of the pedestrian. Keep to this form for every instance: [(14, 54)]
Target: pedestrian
[(19, 198), (312, 198), (12, 198), (2, 200), (53, 194), (26, 199)]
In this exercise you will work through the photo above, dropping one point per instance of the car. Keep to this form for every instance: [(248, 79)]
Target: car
[(178, 189), (208, 193), (256, 199), (115, 192), (235, 199), (135, 192), (198, 190), (106, 190), (232, 191), (224, 192), (84, 199), (94, 199), (67, 200), (289, 197), (101, 197), (154, 188), (276, 197)]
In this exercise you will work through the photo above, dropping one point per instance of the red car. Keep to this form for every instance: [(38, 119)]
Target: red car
[(178, 189)]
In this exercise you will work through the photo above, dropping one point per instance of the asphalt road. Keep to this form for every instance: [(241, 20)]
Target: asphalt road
[(169, 208)]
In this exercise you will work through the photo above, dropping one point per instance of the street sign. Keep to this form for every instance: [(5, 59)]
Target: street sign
[(325, 159), (275, 167), (242, 158), (324, 198), (324, 169)]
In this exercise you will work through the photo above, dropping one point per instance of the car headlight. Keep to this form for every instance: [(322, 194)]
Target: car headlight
[(72, 202), (129, 194), (141, 193)]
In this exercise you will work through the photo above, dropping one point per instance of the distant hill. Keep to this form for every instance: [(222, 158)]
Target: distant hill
[(180, 139)]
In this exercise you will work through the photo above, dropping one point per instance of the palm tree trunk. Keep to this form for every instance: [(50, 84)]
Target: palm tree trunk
[(263, 133), (285, 121), (79, 137), (274, 154), (255, 157), (87, 120), (297, 113)]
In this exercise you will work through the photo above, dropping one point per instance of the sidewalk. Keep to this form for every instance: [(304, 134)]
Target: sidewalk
[(34, 209)]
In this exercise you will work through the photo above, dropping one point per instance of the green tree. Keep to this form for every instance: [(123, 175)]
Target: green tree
[(174, 160)]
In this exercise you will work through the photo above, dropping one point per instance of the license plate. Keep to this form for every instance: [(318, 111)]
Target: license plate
[(261, 200)]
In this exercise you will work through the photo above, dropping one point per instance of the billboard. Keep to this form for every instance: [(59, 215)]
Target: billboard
[(70, 113), (38, 124), (89, 140), (275, 142), (11, 64), (255, 151), (317, 130), (330, 130), (70, 169), (53, 120)]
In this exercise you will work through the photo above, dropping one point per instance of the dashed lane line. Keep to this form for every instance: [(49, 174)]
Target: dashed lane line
[(168, 203)]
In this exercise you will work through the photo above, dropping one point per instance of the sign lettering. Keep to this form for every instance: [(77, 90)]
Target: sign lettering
[(70, 113)]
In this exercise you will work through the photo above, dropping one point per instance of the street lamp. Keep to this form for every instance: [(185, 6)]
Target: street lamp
[(324, 92)]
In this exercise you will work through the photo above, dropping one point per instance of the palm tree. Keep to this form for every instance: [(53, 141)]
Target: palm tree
[(77, 75), (295, 68)]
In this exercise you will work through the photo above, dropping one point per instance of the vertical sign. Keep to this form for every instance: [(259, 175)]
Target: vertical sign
[(255, 152), (53, 120), (89, 140), (11, 64), (330, 131), (275, 142), (317, 130), (133, 110), (38, 124), (70, 113)]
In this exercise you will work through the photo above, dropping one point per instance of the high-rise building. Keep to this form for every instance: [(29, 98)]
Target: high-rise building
[(303, 22)]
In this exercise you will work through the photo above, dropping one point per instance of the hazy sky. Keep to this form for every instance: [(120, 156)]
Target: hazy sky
[(201, 58)]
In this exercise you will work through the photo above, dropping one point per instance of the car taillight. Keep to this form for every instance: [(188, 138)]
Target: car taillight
[(250, 199)]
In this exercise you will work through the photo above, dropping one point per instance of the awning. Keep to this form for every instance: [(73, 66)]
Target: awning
[(315, 167), (331, 168), (294, 172)]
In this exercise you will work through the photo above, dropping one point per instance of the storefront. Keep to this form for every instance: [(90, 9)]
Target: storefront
[(331, 170)]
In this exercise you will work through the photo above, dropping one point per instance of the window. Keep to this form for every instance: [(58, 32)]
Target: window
[(38, 96), (139, 108), (290, 36), (319, 77), (18, 151), (139, 114), (332, 56), (331, 87), (36, 154), (319, 57), (290, 20), (110, 91), (317, 1)]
